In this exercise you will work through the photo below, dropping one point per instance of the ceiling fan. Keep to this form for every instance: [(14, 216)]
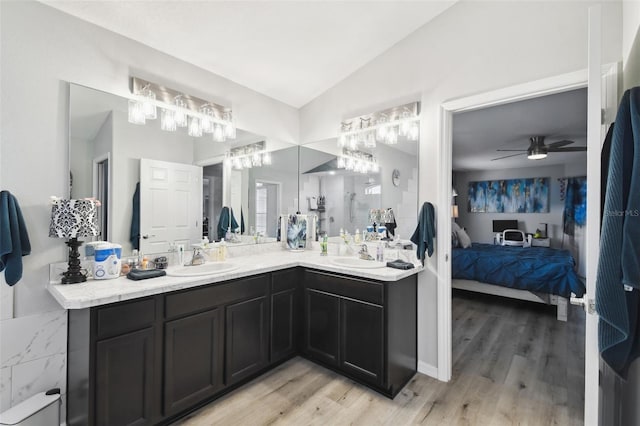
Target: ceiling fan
[(538, 150)]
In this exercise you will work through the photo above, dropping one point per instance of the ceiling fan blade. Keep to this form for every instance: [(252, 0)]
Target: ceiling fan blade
[(569, 149), (507, 150), (507, 156), (560, 143)]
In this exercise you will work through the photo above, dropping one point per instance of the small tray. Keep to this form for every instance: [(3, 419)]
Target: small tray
[(143, 274)]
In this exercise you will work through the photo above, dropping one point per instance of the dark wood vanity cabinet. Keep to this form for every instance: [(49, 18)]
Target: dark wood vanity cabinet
[(193, 356), (285, 321), (151, 360), (364, 329)]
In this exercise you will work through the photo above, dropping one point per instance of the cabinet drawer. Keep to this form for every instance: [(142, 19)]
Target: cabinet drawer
[(200, 299), (285, 280), (128, 316), (354, 288)]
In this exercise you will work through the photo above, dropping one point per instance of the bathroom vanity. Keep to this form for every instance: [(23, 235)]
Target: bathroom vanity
[(178, 343)]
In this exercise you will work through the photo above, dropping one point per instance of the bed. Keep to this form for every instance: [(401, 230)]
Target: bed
[(537, 274)]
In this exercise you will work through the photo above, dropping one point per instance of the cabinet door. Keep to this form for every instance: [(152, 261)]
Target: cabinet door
[(362, 342), (193, 360), (124, 379), (246, 336), (283, 324), (322, 326)]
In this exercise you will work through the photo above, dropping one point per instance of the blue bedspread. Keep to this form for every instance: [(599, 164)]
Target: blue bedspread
[(537, 269)]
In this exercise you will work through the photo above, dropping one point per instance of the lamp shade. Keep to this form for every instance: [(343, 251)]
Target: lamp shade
[(74, 218)]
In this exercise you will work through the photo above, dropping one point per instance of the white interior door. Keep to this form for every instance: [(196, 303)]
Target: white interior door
[(170, 205), (601, 110)]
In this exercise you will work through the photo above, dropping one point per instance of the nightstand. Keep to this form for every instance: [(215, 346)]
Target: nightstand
[(541, 242)]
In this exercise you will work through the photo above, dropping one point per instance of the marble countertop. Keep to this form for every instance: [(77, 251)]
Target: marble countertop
[(102, 292)]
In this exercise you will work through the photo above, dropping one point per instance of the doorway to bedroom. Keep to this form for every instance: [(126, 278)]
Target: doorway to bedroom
[(518, 254)]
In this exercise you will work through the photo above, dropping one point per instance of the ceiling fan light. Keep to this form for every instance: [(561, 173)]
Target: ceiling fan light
[(536, 153)]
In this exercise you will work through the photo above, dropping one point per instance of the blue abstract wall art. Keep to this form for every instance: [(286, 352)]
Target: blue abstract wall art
[(530, 195), (575, 204)]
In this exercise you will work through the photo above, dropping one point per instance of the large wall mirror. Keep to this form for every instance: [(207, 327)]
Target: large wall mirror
[(343, 199), (184, 182)]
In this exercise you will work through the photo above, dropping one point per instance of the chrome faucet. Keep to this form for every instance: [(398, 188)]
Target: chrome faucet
[(197, 258), (364, 253)]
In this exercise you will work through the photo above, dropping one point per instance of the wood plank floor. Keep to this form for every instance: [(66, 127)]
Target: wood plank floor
[(513, 364)]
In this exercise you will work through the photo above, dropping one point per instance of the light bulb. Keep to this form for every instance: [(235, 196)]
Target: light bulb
[(149, 104), (342, 141), (180, 114), (266, 158), (195, 129), (392, 136), (218, 133), (230, 130), (167, 120), (370, 140), (414, 132), (136, 112)]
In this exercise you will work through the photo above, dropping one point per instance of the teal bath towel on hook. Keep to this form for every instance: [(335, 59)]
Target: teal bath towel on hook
[(14, 239)]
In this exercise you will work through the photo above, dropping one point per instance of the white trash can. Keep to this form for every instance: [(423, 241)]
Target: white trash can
[(42, 409)]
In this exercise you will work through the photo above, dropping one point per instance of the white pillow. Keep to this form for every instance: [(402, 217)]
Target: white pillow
[(463, 237)]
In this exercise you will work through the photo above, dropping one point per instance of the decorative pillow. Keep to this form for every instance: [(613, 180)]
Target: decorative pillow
[(463, 237), (455, 242)]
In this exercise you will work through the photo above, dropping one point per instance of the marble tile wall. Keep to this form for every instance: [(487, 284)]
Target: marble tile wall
[(33, 356)]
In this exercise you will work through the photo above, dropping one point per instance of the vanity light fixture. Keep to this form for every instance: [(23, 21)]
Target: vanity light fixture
[(358, 161), (177, 109), (383, 126), (248, 156)]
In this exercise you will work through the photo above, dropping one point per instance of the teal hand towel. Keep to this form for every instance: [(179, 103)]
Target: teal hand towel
[(425, 231), (14, 239)]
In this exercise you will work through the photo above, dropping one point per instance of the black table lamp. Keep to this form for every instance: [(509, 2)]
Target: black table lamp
[(72, 219)]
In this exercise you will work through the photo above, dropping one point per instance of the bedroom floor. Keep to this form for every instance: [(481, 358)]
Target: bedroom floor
[(513, 364)]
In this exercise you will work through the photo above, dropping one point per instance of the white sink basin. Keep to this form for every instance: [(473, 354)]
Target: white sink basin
[(200, 270), (354, 262)]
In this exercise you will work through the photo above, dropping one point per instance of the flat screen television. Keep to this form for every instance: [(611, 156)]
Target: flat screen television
[(501, 225)]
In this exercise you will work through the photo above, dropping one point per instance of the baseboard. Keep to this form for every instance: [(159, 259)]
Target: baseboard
[(428, 369)]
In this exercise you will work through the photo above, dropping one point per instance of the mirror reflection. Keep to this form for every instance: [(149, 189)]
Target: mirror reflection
[(176, 185), (343, 199)]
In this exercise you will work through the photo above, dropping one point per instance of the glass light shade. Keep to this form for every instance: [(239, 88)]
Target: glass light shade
[(167, 120), (342, 140), (370, 140), (230, 130), (405, 128), (454, 211), (256, 160), (180, 114), (381, 133), (136, 112), (414, 131), (149, 104), (353, 142), (350, 164), (206, 122), (237, 164), (195, 129), (392, 136), (266, 158), (341, 163), (218, 133), (536, 153), (375, 168), (246, 162)]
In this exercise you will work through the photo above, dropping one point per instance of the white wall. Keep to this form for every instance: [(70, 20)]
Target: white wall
[(41, 50), (472, 48)]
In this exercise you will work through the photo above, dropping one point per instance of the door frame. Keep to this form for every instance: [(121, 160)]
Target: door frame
[(533, 89)]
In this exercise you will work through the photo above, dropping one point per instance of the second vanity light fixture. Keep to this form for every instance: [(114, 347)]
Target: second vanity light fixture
[(358, 161), (383, 126), (177, 109), (248, 156)]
